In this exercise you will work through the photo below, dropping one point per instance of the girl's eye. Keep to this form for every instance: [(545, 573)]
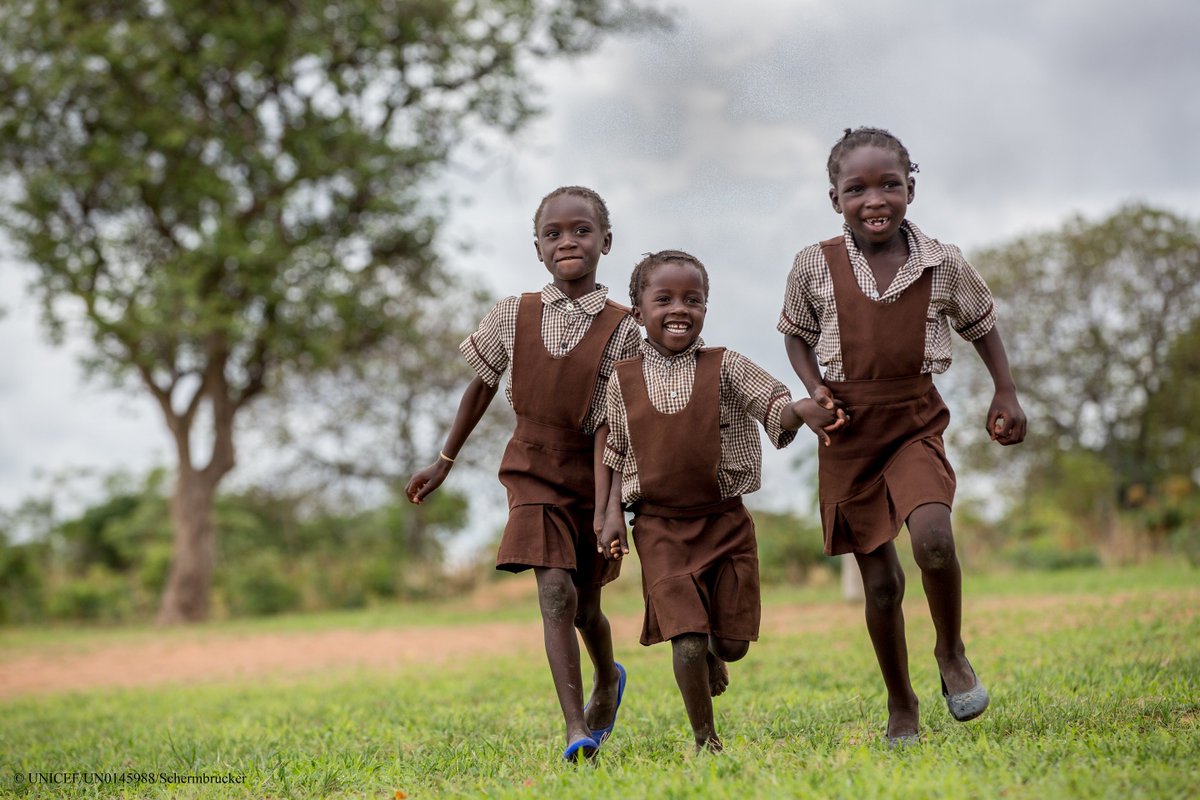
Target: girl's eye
[(582, 231)]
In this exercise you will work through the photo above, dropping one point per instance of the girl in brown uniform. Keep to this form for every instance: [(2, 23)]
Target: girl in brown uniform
[(561, 344), (873, 307), (683, 441)]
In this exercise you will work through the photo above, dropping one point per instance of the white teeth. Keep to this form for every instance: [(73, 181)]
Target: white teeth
[(678, 327)]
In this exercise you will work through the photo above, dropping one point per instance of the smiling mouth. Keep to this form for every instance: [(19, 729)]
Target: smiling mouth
[(677, 327), (877, 223)]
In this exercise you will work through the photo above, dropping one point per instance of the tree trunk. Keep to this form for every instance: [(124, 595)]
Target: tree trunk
[(186, 595)]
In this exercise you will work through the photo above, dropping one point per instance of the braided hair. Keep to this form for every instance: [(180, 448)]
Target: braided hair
[(862, 137), (578, 191), (650, 261)]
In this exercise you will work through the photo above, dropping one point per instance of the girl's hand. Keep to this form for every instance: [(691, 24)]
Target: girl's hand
[(1006, 420), (422, 484), (613, 544), (822, 414)]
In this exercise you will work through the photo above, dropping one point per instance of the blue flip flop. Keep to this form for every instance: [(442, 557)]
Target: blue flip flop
[(601, 734), (586, 747)]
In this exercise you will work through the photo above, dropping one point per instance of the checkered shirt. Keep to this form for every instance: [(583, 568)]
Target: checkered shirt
[(564, 322), (748, 395), (959, 298)]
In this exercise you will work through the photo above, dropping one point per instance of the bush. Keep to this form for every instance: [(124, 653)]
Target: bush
[(259, 586), (1044, 553), (789, 546), (99, 596)]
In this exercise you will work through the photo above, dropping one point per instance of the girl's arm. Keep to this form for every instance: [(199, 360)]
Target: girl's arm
[(804, 363), (475, 401), (603, 477), (1005, 419)]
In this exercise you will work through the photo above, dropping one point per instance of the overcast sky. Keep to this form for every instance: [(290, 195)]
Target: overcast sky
[(713, 138)]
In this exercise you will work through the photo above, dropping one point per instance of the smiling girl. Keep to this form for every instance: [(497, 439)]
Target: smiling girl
[(567, 336), (683, 442), (873, 307)]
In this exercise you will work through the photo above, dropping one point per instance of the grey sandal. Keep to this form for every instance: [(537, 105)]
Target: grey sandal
[(967, 705)]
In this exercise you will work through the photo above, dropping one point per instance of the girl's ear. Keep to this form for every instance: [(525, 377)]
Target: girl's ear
[(833, 198), (607, 243), (537, 248), (912, 188), (637, 316)]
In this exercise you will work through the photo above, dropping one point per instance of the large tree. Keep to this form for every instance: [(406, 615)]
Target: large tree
[(1102, 319), (329, 423), (217, 192)]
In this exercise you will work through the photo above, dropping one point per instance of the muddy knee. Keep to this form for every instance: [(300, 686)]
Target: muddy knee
[(690, 647), (556, 596), (933, 548)]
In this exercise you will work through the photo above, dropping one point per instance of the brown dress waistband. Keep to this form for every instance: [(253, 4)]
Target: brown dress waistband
[(552, 436), (881, 390), (691, 512)]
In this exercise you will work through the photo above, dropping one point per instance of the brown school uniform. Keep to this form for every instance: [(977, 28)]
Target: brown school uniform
[(891, 458), (548, 466), (695, 542)]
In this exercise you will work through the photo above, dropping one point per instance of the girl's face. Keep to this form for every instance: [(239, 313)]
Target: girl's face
[(872, 193), (570, 241), (672, 307)]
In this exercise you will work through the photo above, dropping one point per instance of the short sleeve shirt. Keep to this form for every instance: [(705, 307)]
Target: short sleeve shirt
[(959, 298), (748, 395), (564, 322)]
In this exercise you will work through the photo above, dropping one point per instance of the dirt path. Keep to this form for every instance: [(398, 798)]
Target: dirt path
[(214, 657), (220, 656)]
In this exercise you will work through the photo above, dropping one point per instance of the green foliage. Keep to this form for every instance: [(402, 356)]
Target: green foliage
[(259, 585), (109, 563), (223, 194), (1101, 320), (1106, 709), (789, 547)]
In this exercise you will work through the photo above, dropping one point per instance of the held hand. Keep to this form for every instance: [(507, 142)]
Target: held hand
[(822, 414), (422, 484), (1006, 420), (612, 543)]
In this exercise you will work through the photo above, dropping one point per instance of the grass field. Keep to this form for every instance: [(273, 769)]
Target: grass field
[(1094, 675)]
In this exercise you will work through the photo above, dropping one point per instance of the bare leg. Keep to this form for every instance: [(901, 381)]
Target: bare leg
[(597, 638), (883, 582), (557, 598), (690, 660), (720, 651), (933, 548)]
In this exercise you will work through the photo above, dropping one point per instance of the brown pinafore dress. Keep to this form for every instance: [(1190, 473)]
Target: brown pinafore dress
[(548, 467), (698, 552), (891, 458)]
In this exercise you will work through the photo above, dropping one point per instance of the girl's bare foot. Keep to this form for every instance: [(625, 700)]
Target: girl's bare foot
[(718, 677), (710, 745)]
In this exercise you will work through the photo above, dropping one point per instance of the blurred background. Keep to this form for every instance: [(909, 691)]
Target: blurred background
[(240, 247)]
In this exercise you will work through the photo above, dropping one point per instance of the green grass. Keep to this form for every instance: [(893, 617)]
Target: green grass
[(1095, 681)]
